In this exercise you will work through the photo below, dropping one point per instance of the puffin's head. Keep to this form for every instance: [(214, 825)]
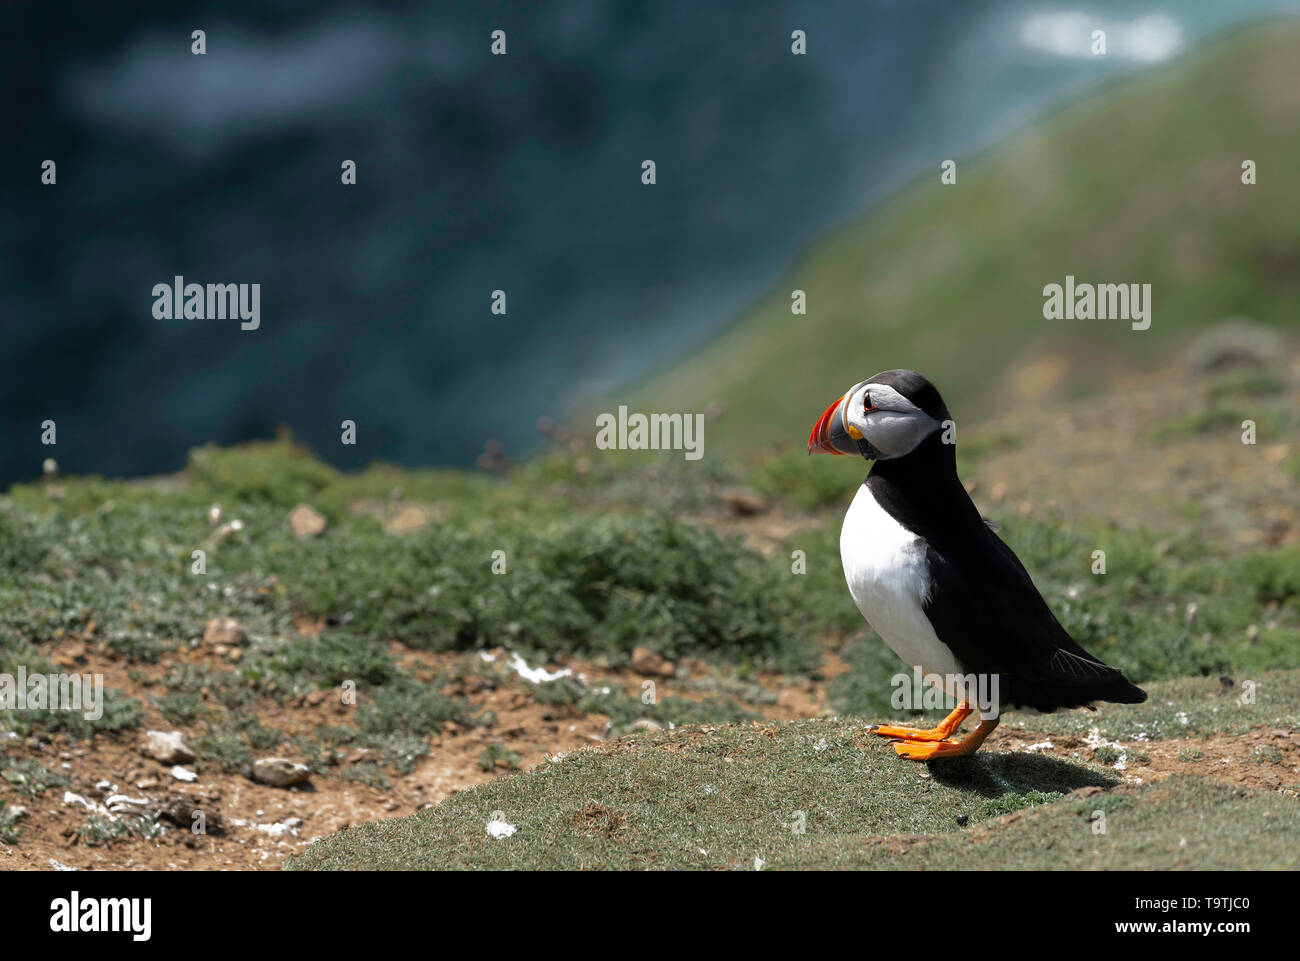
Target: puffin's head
[(884, 417)]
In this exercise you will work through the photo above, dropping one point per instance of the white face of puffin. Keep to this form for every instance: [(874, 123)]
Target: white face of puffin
[(887, 420)]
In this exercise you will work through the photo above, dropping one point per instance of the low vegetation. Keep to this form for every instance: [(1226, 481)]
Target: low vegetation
[(820, 794), (81, 555)]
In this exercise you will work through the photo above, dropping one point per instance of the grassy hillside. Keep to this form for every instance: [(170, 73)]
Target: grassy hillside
[(820, 794), (603, 556), (595, 566), (1138, 185)]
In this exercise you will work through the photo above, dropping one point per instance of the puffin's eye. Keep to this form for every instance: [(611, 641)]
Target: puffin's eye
[(867, 406)]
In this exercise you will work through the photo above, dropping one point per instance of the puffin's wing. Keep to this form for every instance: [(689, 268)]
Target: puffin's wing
[(985, 608)]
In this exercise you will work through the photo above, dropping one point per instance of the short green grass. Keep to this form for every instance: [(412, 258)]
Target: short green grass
[(1185, 707), (817, 794), (803, 794), (811, 794), (1182, 823)]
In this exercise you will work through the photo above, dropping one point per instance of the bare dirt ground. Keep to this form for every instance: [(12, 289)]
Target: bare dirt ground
[(255, 826)]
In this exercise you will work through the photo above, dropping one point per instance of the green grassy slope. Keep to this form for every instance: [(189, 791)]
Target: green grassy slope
[(595, 567), (1140, 184), (1183, 824), (697, 800), (1187, 707), (719, 798)]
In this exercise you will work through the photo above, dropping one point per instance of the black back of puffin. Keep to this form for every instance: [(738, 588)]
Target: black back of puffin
[(982, 602)]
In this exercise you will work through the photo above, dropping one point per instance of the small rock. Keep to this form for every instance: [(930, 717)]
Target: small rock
[(225, 631), (1276, 453), (225, 530), (169, 747), (646, 661), (408, 519), (306, 522), (137, 806), (180, 809), (94, 807), (184, 774), (1236, 342), (279, 772), (73, 654), (646, 724), (743, 503)]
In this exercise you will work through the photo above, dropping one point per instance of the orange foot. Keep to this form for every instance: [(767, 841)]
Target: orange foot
[(939, 732), (923, 751)]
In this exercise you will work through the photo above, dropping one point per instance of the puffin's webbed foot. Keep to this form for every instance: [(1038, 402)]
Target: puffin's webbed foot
[(923, 751), (939, 732)]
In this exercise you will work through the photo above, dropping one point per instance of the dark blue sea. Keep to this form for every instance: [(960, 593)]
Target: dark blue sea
[(475, 173)]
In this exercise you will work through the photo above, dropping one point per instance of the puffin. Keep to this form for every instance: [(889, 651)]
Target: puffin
[(934, 580)]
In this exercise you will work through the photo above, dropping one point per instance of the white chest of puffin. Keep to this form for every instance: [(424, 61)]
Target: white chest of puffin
[(885, 567)]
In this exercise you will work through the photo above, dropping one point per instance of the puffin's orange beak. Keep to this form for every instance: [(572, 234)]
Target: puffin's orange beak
[(829, 435)]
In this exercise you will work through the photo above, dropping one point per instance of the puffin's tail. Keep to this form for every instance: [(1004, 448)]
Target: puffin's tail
[(1077, 677), (1048, 696), (1121, 691)]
